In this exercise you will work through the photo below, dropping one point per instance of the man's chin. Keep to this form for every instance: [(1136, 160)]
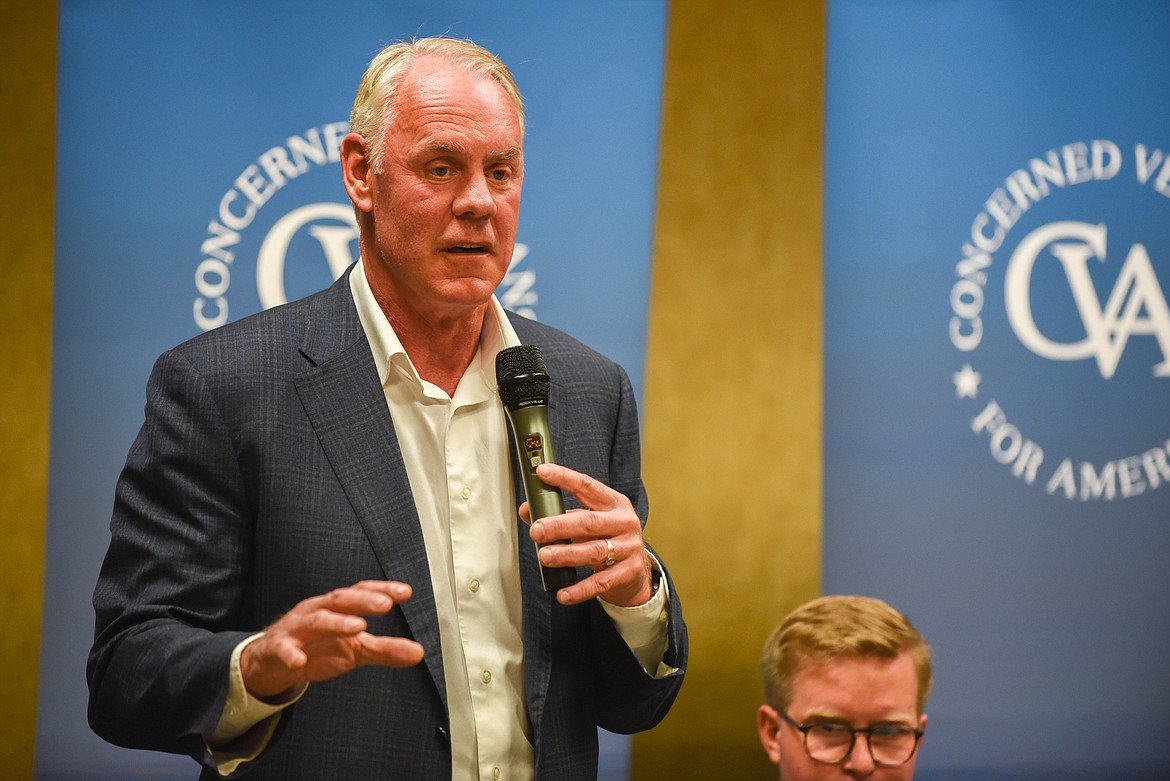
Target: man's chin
[(469, 292)]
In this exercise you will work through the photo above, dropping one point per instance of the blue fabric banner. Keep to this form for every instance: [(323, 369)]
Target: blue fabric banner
[(997, 367), (197, 182)]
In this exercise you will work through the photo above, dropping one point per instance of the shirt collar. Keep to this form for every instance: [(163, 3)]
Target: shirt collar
[(388, 352)]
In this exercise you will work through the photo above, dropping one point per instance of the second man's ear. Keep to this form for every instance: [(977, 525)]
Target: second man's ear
[(768, 726)]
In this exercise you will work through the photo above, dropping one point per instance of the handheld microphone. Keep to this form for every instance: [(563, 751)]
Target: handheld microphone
[(524, 388)]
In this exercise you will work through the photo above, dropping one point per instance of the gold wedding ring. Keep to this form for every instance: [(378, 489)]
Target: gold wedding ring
[(611, 556)]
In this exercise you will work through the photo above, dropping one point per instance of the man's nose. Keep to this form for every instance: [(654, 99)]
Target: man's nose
[(475, 197), (859, 762)]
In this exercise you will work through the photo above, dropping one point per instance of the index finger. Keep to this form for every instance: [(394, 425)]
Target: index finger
[(367, 597), (592, 493)]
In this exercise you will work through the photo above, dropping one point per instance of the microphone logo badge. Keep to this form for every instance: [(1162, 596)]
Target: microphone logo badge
[(534, 447)]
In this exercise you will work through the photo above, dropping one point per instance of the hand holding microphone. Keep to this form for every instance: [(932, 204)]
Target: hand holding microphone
[(606, 536), (524, 389)]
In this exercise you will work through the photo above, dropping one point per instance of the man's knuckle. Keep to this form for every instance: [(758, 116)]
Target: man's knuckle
[(591, 522)]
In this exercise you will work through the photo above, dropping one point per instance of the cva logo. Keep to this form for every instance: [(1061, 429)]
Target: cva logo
[(1069, 296), (1135, 306)]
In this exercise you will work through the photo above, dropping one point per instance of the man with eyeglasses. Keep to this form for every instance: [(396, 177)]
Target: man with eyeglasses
[(845, 682)]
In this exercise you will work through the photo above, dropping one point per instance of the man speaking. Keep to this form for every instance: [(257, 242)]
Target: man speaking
[(316, 569)]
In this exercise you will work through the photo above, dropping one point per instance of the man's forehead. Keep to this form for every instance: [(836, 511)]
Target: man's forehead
[(855, 663), (431, 74), (857, 680), (443, 106)]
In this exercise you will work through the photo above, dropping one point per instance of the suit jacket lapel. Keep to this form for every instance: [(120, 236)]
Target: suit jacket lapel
[(343, 399)]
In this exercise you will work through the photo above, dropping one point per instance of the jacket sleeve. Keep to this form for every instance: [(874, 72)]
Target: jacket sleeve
[(167, 597), (629, 700)]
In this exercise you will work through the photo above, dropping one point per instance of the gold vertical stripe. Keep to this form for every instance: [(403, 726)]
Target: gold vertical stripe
[(28, 39), (733, 373)]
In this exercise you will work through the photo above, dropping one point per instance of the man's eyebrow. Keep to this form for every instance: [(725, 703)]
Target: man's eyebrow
[(441, 147), (823, 715), (449, 148), (831, 716), (511, 153)]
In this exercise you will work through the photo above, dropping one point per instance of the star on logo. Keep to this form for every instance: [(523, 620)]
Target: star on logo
[(967, 382)]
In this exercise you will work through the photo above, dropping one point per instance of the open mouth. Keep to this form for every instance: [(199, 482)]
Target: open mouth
[(468, 249)]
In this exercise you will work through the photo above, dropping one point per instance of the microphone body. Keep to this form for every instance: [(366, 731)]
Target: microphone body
[(524, 389)]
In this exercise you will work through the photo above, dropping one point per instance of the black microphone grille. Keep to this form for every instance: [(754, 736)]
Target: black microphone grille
[(522, 377)]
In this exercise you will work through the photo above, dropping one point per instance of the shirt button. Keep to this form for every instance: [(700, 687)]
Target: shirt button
[(486, 676), (495, 774), (465, 493), (473, 585)]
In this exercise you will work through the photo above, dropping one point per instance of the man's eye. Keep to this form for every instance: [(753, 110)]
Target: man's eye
[(499, 175), (891, 731), (831, 729), (441, 170)]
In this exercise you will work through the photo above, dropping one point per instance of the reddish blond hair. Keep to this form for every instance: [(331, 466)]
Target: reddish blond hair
[(833, 626)]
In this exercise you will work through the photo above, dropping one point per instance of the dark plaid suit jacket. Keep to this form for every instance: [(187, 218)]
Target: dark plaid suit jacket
[(268, 471)]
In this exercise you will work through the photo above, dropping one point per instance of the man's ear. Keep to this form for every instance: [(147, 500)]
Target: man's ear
[(357, 172), (768, 725)]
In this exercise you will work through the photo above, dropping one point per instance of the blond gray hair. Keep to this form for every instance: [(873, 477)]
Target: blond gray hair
[(373, 106)]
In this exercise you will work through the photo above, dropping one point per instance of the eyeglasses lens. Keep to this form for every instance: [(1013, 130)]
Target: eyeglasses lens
[(888, 745)]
